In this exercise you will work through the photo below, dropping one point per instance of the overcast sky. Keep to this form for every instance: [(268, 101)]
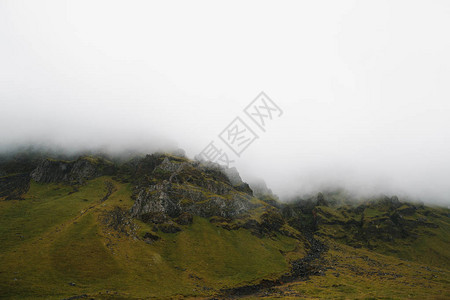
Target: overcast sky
[(364, 86)]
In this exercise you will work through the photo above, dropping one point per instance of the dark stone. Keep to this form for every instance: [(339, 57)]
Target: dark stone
[(254, 227), (169, 228), (156, 218), (150, 237), (185, 219), (251, 224), (245, 188), (272, 220)]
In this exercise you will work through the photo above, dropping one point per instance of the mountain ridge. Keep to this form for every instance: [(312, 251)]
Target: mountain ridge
[(92, 221)]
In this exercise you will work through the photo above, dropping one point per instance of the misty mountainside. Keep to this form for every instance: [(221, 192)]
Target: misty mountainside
[(164, 226)]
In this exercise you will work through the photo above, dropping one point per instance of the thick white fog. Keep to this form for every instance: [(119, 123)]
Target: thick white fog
[(364, 86)]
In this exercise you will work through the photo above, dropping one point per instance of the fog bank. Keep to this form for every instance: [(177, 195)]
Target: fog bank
[(363, 87)]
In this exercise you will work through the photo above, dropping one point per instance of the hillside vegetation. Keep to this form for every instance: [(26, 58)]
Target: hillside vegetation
[(163, 226)]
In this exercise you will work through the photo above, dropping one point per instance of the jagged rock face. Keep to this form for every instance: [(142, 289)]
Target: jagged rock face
[(233, 176), (67, 171), (220, 206), (83, 169), (169, 166), (174, 199), (51, 171), (155, 200), (178, 186), (235, 179), (383, 219), (260, 188)]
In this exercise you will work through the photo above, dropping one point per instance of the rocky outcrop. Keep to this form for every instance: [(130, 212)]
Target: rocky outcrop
[(51, 171), (185, 219), (155, 200), (77, 171), (236, 180), (150, 238), (177, 186), (384, 219), (260, 188), (233, 176), (173, 200)]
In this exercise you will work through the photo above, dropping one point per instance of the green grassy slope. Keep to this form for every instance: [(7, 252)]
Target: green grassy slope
[(362, 274), (79, 238), (56, 244)]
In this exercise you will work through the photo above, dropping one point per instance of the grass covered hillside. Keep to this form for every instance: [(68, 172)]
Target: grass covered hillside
[(163, 226)]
